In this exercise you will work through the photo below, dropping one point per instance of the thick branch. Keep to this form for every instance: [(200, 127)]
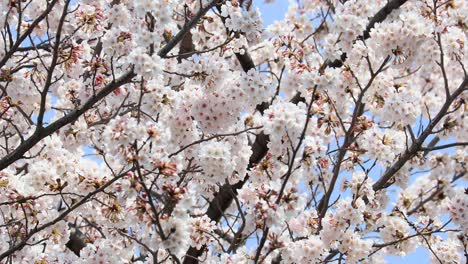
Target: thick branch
[(382, 15)]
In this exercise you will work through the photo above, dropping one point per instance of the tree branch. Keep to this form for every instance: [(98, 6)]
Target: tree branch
[(28, 31), (416, 146), (180, 35), (39, 134)]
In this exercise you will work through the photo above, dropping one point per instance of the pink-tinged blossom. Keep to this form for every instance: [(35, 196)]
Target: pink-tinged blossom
[(200, 230)]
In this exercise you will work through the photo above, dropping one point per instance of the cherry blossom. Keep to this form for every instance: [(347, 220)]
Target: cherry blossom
[(162, 131)]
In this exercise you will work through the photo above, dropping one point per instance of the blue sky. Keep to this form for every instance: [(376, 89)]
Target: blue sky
[(276, 11)]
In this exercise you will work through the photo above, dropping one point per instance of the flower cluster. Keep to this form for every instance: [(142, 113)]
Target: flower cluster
[(215, 113), (355, 247), (395, 228), (399, 105), (351, 21), (145, 65), (215, 158), (256, 86), (360, 185), (457, 207), (200, 230), (447, 251), (304, 251), (348, 213), (383, 145), (284, 122), (402, 42), (239, 19)]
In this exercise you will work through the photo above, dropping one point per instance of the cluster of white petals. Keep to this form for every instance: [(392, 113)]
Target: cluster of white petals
[(284, 122)]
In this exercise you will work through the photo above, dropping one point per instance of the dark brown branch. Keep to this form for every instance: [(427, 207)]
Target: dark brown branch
[(417, 146), (382, 15), (445, 146), (50, 70), (77, 241), (180, 35), (245, 61), (39, 134)]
